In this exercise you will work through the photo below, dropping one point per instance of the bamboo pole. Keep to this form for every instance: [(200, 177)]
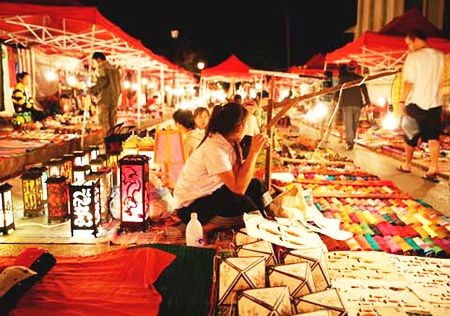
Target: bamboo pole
[(268, 165), (287, 104)]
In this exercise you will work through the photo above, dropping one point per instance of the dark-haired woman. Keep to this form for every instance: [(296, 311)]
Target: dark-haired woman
[(215, 181)]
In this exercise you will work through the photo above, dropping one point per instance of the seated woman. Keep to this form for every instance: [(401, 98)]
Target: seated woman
[(215, 181), (22, 100), (195, 136)]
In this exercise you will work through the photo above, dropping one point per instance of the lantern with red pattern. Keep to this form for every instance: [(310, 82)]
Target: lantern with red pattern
[(58, 199), (68, 166), (134, 192)]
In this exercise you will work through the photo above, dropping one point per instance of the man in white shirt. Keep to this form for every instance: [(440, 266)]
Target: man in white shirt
[(421, 99)]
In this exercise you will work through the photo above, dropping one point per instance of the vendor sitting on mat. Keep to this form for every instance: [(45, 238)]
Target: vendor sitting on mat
[(23, 101), (215, 181)]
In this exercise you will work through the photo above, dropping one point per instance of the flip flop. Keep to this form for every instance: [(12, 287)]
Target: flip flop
[(431, 177), (401, 169)]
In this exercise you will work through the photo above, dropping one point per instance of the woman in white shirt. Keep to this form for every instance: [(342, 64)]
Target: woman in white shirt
[(215, 181)]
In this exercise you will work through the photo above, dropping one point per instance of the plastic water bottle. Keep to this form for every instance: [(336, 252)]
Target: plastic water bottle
[(194, 232)]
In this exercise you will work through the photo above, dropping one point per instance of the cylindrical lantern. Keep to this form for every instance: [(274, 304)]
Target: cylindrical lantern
[(134, 192), (33, 201), (103, 176), (6, 209), (93, 152), (56, 167), (85, 208), (58, 199), (68, 166), (80, 173)]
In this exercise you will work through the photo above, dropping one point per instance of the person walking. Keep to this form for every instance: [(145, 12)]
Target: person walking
[(421, 99), (108, 88), (351, 102)]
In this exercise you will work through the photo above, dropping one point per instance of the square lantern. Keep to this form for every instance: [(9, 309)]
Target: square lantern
[(80, 173), (58, 199), (44, 175), (33, 202), (81, 157), (94, 151), (85, 206), (97, 164), (6, 208), (68, 166), (134, 192), (56, 167), (104, 176)]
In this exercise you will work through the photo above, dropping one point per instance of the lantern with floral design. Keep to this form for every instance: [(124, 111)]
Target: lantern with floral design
[(85, 206), (134, 192), (58, 199), (33, 202), (6, 208), (68, 166)]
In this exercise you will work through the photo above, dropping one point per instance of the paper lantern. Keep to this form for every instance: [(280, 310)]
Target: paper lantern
[(58, 199), (258, 248), (324, 300), (265, 301), (81, 157), (169, 152), (296, 276), (44, 175), (134, 192), (94, 151), (85, 206), (104, 177), (56, 167), (33, 202), (68, 166), (80, 173), (6, 209)]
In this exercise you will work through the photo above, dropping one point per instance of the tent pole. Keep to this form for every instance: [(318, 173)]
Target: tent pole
[(267, 176), (161, 90), (85, 106)]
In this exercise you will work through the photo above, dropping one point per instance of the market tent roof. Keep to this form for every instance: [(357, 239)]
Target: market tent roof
[(75, 31), (379, 51), (230, 69), (314, 67), (412, 19)]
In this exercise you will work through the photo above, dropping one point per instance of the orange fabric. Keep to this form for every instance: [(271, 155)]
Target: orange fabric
[(118, 282)]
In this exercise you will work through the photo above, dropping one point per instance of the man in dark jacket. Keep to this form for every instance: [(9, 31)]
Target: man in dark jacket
[(351, 102), (108, 86)]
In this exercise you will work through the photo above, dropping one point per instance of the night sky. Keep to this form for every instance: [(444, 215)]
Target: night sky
[(256, 33)]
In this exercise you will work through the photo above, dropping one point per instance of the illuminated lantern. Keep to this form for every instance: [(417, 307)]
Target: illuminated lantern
[(56, 167), (68, 166), (112, 162), (97, 164), (85, 206), (78, 158), (80, 173), (33, 202), (134, 192), (6, 209), (130, 146), (147, 148), (94, 151), (44, 175), (58, 199), (104, 177)]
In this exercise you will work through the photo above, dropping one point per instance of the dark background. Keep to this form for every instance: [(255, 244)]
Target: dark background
[(255, 32)]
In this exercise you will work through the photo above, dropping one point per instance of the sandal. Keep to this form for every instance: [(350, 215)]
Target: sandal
[(401, 169), (431, 177)]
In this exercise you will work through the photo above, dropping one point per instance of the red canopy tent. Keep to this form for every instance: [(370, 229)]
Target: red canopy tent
[(387, 49), (231, 69)]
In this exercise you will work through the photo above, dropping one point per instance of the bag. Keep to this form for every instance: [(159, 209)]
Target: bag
[(410, 127)]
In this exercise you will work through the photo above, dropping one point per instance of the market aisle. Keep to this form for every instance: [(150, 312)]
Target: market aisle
[(435, 194)]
